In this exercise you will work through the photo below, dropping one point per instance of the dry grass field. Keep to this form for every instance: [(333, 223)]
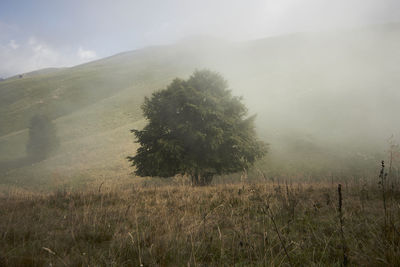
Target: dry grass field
[(243, 224)]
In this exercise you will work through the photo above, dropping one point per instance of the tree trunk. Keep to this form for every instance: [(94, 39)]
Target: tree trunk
[(201, 179), (195, 179)]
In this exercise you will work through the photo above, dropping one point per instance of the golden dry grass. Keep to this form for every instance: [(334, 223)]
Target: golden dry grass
[(222, 225)]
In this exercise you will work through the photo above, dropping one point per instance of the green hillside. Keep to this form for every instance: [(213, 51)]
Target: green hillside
[(333, 93)]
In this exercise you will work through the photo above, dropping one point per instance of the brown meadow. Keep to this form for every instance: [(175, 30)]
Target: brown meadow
[(260, 224)]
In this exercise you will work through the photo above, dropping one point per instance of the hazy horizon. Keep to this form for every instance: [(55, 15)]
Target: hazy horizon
[(43, 34)]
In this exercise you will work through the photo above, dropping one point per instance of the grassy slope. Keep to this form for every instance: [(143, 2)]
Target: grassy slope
[(70, 90), (93, 106), (295, 83)]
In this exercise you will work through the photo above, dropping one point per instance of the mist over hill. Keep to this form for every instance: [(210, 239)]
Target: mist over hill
[(320, 98)]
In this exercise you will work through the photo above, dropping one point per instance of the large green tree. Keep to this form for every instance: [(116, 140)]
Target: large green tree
[(197, 128)]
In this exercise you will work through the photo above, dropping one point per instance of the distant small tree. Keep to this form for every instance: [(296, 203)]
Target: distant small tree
[(196, 128), (42, 138)]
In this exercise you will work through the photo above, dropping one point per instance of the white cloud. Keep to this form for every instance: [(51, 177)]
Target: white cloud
[(13, 44), (32, 40), (86, 54), (34, 54)]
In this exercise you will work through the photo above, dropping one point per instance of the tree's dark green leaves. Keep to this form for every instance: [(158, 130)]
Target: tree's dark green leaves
[(196, 127)]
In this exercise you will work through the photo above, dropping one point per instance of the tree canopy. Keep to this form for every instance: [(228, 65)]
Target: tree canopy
[(197, 128)]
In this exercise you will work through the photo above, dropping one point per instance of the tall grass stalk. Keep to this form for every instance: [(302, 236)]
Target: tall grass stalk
[(341, 221), (382, 183), (272, 217)]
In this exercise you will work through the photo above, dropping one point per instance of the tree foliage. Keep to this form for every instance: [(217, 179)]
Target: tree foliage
[(42, 138), (196, 128)]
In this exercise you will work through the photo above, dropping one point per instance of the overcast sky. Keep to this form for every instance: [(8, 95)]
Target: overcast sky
[(53, 33)]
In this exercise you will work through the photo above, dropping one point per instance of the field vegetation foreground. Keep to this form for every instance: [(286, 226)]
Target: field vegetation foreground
[(258, 224)]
